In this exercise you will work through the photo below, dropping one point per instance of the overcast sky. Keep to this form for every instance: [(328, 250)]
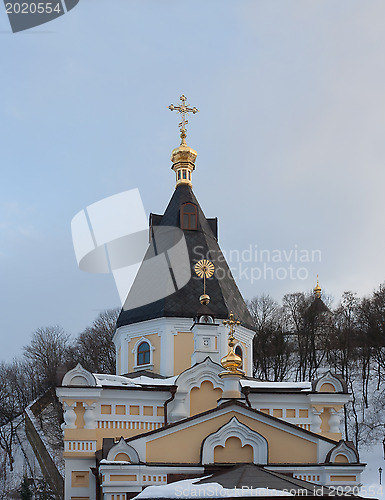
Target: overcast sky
[(290, 141)]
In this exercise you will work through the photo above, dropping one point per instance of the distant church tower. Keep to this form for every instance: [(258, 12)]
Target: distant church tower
[(163, 328)]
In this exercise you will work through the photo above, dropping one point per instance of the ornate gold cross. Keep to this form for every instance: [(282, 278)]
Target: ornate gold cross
[(231, 323), (183, 109)]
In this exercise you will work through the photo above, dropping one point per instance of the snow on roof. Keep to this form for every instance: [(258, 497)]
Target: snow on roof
[(186, 489), (257, 384), (104, 380)]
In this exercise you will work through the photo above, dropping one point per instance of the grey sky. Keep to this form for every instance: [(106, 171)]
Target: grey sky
[(290, 140)]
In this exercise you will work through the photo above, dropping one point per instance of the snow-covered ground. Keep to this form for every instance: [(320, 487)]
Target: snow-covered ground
[(374, 458), (24, 463), (186, 489)]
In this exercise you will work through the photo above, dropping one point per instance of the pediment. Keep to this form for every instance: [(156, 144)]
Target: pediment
[(285, 442)]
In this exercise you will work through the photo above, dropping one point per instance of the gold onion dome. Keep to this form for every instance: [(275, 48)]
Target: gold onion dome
[(232, 363), (317, 290), (183, 157)]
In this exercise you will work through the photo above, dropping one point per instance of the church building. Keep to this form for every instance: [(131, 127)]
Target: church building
[(184, 403)]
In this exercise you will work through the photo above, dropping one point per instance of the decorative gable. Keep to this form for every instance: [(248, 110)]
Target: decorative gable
[(79, 376), (236, 429)]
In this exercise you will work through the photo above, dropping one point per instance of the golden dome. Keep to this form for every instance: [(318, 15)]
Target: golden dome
[(232, 363), (317, 290)]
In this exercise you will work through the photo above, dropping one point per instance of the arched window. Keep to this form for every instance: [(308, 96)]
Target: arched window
[(205, 318), (188, 216), (238, 351), (143, 354)]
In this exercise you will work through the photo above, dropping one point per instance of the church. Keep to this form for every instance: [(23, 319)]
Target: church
[(183, 403)]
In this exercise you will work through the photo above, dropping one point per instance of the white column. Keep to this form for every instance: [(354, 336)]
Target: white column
[(316, 421), (334, 421), (89, 416), (124, 355), (231, 385), (69, 416)]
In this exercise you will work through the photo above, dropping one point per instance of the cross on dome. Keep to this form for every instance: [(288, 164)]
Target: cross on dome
[(183, 108)]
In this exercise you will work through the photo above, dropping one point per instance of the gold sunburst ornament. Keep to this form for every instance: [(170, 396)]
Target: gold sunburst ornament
[(204, 269)]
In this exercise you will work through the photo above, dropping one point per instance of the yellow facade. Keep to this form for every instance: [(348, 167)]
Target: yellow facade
[(283, 446)]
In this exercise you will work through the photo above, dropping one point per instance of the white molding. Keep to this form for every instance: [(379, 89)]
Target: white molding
[(207, 370), (79, 376), (149, 365), (194, 376), (329, 378), (247, 436), (123, 447), (343, 449)]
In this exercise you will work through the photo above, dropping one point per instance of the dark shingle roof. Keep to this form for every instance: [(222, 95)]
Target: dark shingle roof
[(253, 476), (224, 293)]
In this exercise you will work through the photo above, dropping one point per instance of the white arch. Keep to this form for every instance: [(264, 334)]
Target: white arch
[(79, 376), (207, 370), (194, 376), (234, 428), (329, 378), (123, 447), (342, 449), (135, 352)]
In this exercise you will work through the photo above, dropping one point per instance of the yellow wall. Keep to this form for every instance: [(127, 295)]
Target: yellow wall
[(79, 410), (325, 415), (183, 349), (204, 397), (233, 452), (282, 446), (326, 387)]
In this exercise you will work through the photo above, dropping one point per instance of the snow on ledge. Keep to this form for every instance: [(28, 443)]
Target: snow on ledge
[(186, 489), (304, 386), (104, 380)]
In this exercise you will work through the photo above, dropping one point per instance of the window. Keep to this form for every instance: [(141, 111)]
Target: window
[(238, 352), (188, 216), (143, 354), (206, 319)]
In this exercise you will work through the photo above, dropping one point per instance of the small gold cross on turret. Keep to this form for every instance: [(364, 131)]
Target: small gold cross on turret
[(183, 109), (231, 323)]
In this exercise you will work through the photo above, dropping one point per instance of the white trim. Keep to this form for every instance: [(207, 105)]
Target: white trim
[(247, 436), (207, 370), (79, 376), (149, 365), (123, 447), (343, 449), (329, 378)]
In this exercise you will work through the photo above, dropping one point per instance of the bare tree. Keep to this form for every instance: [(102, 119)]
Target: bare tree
[(10, 410), (47, 351), (94, 348), (271, 348), (309, 322)]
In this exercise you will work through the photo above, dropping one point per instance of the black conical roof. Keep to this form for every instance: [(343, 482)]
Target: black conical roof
[(201, 244)]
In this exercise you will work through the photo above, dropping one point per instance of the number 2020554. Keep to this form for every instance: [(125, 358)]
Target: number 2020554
[(33, 8)]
